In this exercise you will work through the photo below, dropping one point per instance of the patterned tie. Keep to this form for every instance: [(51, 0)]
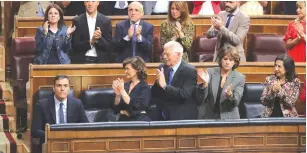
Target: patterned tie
[(134, 40), (61, 113), (228, 20), (170, 76), (121, 4), (40, 11)]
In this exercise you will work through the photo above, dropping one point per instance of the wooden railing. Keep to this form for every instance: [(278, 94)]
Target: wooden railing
[(26, 26), (254, 135)]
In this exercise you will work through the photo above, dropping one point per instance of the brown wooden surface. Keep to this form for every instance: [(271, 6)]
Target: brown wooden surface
[(88, 76), (26, 26), (249, 138)]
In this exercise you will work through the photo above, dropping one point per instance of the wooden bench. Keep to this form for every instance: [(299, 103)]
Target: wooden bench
[(286, 135), (26, 26)]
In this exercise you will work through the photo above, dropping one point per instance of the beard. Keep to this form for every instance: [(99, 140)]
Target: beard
[(230, 10)]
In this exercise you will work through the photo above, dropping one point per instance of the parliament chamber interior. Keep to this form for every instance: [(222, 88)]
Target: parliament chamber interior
[(29, 46)]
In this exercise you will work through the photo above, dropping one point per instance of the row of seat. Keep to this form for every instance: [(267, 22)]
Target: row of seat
[(98, 103)]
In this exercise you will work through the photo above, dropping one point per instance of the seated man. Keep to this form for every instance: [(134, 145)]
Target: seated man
[(133, 37), (57, 109), (174, 85)]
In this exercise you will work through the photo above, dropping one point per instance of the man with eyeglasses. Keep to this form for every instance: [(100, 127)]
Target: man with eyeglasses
[(174, 86)]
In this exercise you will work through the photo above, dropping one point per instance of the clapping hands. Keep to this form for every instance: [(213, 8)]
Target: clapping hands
[(204, 76), (160, 78), (118, 86)]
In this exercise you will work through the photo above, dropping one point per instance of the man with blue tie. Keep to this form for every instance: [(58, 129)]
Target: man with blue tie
[(57, 109), (174, 86), (133, 37), (230, 27)]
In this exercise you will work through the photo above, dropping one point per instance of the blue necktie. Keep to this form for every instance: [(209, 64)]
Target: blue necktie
[(40, 11), (134, 41), (121, 4), (61, 113), (228, 20), (170, 76)]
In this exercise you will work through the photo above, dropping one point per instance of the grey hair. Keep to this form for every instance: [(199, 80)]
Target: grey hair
[(174, 46), (138, 3)]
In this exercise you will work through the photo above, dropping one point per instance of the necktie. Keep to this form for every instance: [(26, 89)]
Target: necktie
[(170, 76), (228, 20), (61, 113), (121, 4), (134, 40), (40, 11)]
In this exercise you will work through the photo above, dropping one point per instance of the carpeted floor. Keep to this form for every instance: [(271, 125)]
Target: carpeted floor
[(7, 142)]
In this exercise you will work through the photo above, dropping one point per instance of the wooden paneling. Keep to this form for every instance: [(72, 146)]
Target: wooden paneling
[(283, 138), (26, 26)]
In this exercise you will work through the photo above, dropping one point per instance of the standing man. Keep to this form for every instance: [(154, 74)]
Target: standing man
[(133, 37), (92, 37), (57, 109), (230, 26), (174, 85)]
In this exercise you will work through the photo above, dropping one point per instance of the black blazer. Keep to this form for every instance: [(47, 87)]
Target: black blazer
[(176, 101), (140, 97), (81, 39), (44, 112), (124, 48)]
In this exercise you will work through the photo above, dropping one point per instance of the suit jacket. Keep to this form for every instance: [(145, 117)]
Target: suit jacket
[(148, 6), (234, 35), (107, 8), (176, 101), (140, 97), (287, 97), (44, 112), (81, 39), (30, 8), (206, 97), (124, 48)]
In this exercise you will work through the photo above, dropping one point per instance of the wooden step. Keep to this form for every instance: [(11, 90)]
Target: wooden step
[(10, 109), (7, 91), (12, 124), (19, 142)]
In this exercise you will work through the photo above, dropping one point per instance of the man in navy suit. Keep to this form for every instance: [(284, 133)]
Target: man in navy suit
[(93, 36), (57, 109), (133, 37)]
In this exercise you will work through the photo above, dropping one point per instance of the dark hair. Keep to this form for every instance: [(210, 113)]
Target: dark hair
[(229, 50), (57, 7), (289, 66), (138, 64), (60, 77)]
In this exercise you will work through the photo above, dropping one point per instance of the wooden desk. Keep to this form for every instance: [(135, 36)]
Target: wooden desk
[(26, 26), (247, 137)]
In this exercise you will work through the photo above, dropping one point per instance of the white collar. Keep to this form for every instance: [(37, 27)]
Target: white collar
[(57, 102), (88, 16)]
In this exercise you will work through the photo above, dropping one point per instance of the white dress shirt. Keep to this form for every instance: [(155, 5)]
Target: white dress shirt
[(175, 68), (91, 22), (57, 107), (161, 6)]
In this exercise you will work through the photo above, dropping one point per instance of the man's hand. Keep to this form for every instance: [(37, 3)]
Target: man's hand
[(217, 22), (130, 31), (138, 31), (160, 78)]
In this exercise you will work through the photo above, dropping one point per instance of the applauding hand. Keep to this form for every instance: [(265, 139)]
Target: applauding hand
[(160, 78), (204, 76)]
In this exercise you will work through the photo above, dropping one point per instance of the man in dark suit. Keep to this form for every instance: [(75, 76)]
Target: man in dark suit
[(92, 37), (57, 109), (133, 37), (174, 86)]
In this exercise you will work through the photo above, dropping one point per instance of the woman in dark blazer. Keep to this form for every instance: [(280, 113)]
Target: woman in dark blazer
[(220, 93), (53, 40), (132, 98)]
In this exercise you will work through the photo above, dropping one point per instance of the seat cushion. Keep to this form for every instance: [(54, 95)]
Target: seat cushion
[(203, 49), (20, 67), (98, 98)]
